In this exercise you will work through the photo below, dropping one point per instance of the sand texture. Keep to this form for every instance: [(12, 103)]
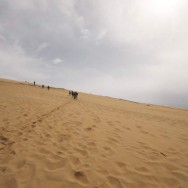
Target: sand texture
[(49, 140)]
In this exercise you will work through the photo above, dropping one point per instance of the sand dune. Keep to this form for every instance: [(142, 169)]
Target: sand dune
[(47, 139)]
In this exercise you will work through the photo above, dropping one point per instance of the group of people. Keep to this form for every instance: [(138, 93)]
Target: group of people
[(74, 94), (48, 87)]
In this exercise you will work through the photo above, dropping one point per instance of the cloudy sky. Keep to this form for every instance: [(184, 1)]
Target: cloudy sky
[(131, 49)]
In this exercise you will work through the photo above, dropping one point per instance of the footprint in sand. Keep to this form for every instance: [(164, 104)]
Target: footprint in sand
[(84, 153), (43, 151), (127, 128), (92, 144), (50, 127), (107, 149), (20, 133), (142, 143), (96, 119), (5, 141), (142, 169), (138, 126), (102, 171), (113, 140), (63, 137), (18, 164), (110, 123), (169, 167), (183, 139), (55, 165), (120, 164), (3, 168), (114, 182), (117, 129), (25, 171), (40, 120), (75, 161), (59, 153), (145, 132), (81, 177), (33, 125), (5, 120), (88, 129)]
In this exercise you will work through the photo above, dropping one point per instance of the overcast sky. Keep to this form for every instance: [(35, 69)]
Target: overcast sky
[(131, 49)]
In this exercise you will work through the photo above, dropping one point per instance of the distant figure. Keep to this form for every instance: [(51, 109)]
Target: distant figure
[(72, 93), (42, 86), (48, 87), (34, 83), (76, 95)]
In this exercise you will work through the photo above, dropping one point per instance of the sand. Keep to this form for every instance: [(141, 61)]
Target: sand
[(49, 140)]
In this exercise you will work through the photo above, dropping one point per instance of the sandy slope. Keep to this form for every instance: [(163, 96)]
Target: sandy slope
[(47, 139)]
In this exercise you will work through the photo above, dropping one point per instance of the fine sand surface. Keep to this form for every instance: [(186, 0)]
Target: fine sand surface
[(49, 140)]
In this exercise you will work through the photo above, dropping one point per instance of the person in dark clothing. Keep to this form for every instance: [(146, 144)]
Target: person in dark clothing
[(76, 95), (34, 83), (72, 93), (48, 87)]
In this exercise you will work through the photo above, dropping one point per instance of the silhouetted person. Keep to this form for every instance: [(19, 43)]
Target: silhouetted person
[(72, 93), (42, 86), (76, 95), (48, 87), (34, 83)]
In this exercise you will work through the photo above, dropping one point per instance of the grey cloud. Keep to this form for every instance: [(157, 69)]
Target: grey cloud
[(42, 47), (129, 49), (57, 61)]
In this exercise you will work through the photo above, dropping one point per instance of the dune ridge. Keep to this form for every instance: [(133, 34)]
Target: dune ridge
[(47, 139)]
